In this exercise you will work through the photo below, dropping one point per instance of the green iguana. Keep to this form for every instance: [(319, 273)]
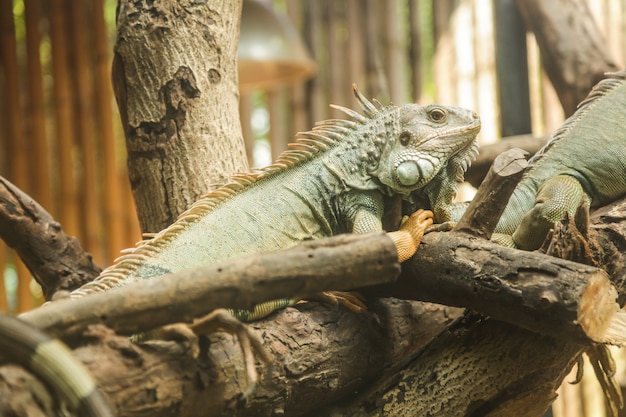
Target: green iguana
[(331, 181), (583, 163)]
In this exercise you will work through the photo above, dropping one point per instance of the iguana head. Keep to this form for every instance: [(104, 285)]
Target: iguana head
[(423, 140)]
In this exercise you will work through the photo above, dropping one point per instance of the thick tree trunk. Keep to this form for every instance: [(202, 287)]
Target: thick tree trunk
[(175, 80), (573, 50)]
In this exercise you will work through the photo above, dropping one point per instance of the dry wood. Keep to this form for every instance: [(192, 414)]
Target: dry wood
[(488, 153), (485, 369), (531, 290), (530, 351), (166, 97), (321, 353), (56, 261), (484, 211), (337, 263), (573, 50)]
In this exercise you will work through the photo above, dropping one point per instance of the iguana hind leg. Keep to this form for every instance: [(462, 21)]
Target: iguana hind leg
[(222, 320), (557, 197)]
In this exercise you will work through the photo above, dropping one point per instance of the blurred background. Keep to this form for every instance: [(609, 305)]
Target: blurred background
[(61, 140)]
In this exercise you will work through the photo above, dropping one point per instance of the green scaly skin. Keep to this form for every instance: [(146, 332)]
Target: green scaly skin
[(331, 181), (584, 163)]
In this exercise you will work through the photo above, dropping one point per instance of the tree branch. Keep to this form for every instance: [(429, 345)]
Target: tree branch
[(57, 261), (573, 50), (338, 263)]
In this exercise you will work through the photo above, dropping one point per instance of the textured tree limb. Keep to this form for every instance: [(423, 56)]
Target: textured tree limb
[(321, 353), (338, 263), (433, 245), (573, 50), (484, 211), (509, 370), (474, 369), (56, 260), (488, 153)]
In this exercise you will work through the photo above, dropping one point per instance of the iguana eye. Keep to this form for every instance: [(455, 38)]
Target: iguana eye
[(405, 138), (437, 115)]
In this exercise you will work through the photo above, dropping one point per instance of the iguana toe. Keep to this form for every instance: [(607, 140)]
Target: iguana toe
[(411, 232)]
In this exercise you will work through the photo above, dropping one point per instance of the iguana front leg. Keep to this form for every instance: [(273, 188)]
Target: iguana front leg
[(557, 197), (407, 239)]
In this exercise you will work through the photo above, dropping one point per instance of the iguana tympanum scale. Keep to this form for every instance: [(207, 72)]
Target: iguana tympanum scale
[(332, 180), (583, 163)]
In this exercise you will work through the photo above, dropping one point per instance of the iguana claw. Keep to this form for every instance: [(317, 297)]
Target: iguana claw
[(407, 239), (222, 320)]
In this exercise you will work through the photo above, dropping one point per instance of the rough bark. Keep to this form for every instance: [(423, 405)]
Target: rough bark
[(175, 81), (477, 172), (573, 50), (320, 353), (57, 261), (484, 369), (338, 263)]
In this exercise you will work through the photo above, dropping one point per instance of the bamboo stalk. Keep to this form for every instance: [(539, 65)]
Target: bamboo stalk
[(318, 102), (356, 60), (415, 50), (40, 168), (245, 115), (299, 115), (395, 52), (4, 300), (113, 210), (375, 72), (340, 92), (17, 142), (83, 122), (443, 61), (132, 221), (278, 121), (68, 202)]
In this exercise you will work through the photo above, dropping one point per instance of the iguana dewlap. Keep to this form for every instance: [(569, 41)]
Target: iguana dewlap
[(332, 180)]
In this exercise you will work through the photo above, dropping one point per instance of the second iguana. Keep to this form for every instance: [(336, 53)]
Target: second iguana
[(584, 163)]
